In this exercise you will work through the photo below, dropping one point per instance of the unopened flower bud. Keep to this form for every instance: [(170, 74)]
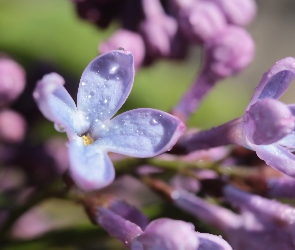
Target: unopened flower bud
[(129, 41), (229, 52), (12, 127), (267, 121), (238, 12), (201, 21), (12, 80)]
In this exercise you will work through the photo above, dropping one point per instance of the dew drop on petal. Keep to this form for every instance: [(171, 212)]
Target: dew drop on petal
[(83, 83), (154, 122)]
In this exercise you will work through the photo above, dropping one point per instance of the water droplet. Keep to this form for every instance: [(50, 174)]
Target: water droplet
[(105, 101), (154, 122), (83, 83)]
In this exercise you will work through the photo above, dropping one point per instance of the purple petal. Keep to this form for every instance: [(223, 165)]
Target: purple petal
[(275, 81), (267, 121), (139, 133), (105, 85), (56, 104), (217, 216), (212, 242), (167, 234), (288, 141), (261, 207), (117, 226), (90, 167), (129, 213), (282, 187), (277, 157)]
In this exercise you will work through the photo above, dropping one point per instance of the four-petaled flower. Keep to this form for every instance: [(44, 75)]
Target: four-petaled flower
[(104, 86), (268, 125)]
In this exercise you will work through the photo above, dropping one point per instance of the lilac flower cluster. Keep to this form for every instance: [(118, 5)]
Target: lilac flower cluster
[(140, 176)]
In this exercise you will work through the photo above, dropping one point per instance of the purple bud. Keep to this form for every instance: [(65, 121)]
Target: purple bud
[(128, 40), (282, 187), (167, 234), (267, 121), (200, 21), (12, 80), (229, 52), (12, 127), (238, 12)]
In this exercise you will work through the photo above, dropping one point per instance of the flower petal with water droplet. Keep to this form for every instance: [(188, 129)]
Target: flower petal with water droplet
[(140, 133), (105, 85)]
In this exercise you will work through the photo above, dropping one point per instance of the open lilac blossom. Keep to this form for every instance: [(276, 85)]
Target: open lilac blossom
[(267, 125), (238, 12), (105, 85), (12, 80), (260, 223), (228, 53)]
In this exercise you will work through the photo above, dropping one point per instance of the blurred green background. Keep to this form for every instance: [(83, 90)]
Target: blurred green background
[(33, 31)]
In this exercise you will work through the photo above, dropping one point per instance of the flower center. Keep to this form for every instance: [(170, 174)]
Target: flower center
[(87, 139)]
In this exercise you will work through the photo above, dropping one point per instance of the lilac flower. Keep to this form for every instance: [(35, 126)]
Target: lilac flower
[(261, 224), (267, 126), (162, 234), (105, 85)]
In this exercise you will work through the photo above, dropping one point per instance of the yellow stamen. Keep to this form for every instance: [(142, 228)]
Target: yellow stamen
[(87, 139)]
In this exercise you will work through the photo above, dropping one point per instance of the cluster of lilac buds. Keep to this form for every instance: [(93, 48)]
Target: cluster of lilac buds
[(168, 31)]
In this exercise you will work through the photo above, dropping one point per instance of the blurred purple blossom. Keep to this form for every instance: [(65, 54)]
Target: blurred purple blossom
[(163, 233), (12, 80), (12, 127), (260, 223), (105, 85)]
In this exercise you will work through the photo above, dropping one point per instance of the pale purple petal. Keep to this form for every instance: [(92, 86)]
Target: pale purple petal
[(117, 226), (57, 105), (288, 141), (139, 133), (267, 121), (277, 157), (90, 167), (167, 234), (262, 208), (275, 81), (105, 85), (282, 187), (212, 242)]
